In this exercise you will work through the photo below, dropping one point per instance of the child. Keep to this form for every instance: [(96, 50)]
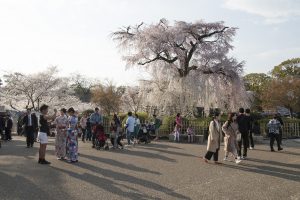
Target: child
[(176, 133), (191, 134)]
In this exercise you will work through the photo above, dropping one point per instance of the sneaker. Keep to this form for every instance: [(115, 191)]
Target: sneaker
[(251, 148), (280, 149), (243, 157), (237, 161), (226, 159), (205, 160), (272, 150)]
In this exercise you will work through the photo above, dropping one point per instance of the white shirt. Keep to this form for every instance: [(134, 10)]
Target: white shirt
[(137, 121), (130, 124), (83, 121)]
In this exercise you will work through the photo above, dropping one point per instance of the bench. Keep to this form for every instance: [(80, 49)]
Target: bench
[(198, 139)]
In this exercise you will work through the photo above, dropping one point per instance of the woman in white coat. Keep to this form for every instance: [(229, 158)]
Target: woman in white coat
[(214, 139)]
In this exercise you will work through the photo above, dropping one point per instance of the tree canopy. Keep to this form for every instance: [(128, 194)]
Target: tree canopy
[(107, 96), (290, 67), (183, 47)]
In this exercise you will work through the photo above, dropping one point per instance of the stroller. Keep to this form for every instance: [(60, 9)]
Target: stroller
[(143, 135), (101, 139)]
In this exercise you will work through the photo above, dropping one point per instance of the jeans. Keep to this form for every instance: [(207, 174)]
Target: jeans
[(209, 154), (245, 142), (176, 136), (129, 136), (88, 134)]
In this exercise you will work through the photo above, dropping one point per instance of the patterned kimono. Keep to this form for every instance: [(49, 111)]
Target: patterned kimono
[(61, 136), (72, 141)]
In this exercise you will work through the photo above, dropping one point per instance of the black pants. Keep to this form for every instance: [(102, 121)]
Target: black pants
[(94, 139), (280, 136), (209, 154), (2, 135), (8, 134), (29, 136), (274, 137), (83, 134), (251, 139), (245, 143)]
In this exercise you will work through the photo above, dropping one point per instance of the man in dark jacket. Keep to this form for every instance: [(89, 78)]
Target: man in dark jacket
[(243, 122), (251, 121), (31, 125), (8, 128)]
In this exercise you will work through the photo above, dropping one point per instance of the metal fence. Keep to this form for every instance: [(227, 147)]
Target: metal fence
[(290, 130)]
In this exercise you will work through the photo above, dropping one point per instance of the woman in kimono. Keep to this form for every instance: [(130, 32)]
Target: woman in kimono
[(231, 130), (72, 140), (61, 134)]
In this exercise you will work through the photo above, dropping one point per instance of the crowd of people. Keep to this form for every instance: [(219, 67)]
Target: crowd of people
[(237, 133), (69, 128)]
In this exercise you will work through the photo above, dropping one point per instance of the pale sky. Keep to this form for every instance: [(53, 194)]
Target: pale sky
[(74, 34)]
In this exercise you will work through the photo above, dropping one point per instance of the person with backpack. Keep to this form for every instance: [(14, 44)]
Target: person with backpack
[(278, 117), (214, 139), (274, 130)]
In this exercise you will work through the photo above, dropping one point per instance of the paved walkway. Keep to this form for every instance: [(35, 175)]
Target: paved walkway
[(159, 170)]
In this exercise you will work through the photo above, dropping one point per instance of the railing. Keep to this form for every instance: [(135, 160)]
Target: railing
[(290, 130)]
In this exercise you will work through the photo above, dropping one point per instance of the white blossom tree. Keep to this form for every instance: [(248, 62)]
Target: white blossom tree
[(30, 91), (189, 64), (184, 47)]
